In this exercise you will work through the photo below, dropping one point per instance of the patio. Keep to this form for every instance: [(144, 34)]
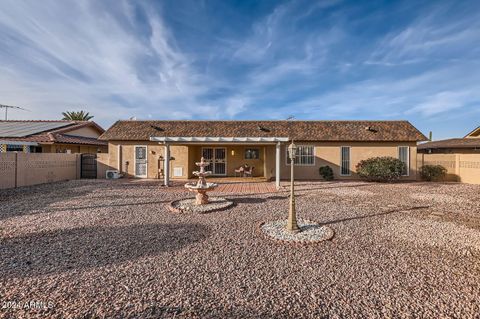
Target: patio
[(111, 248)]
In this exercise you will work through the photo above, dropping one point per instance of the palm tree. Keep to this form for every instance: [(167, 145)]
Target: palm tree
[(77, 116)]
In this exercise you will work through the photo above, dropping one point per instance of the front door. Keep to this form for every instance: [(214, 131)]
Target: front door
[(140, 161), (217, 156)]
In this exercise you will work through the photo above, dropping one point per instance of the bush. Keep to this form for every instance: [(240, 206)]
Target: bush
[(381, 169), (326, 172), (433, 172)]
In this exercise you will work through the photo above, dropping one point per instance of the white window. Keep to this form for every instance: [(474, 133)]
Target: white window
[(345, 161), (404, 156), (178, 171), (305, 155)]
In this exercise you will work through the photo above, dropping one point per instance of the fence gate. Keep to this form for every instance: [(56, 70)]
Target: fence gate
[(88, 166)]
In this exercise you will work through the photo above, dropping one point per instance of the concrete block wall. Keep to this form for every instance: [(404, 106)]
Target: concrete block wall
[(25, 169), (460, 167)]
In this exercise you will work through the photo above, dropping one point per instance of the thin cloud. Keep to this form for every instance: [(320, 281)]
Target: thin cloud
[(318, 60)]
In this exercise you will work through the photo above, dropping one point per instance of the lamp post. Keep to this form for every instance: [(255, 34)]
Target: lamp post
[(292, 215)]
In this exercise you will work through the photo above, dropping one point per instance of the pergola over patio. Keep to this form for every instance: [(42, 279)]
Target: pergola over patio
[(167, 141)]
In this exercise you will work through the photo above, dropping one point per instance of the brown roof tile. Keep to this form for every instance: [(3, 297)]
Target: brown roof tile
[(299, 130), (451, 143)]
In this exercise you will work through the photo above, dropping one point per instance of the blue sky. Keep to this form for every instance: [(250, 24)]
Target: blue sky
[(414, 60)]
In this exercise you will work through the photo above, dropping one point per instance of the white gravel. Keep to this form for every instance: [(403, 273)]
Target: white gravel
[(214, 204), (112, 249)]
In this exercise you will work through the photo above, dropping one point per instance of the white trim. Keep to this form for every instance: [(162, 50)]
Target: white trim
[(166, 165), (303, 145), (201, 139), (213, 154), (349, 160), (277, 164), (135, 161), (408, 158)]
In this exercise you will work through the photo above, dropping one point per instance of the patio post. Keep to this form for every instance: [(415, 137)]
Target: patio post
[(166, 166), (277, 165)]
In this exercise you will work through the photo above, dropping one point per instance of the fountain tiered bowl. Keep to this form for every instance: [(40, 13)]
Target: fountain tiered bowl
[(201, 203), (201, 187)]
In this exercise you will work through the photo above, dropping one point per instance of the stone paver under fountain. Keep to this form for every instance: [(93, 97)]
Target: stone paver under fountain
[(201, 203)]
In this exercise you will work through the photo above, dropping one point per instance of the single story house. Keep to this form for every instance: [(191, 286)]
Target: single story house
[(35, 136), (469, 144), (164, 149)]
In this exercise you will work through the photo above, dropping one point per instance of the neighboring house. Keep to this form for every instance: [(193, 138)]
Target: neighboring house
[(51, 137), (147, 149), (470, 144), (460, 156)]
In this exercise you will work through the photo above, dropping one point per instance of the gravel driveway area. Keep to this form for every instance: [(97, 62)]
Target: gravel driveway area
[(112, 249)]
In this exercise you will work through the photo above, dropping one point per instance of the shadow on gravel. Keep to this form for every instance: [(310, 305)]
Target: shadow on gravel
[(72, 208), (82, 248), (248, 200), (375, 215), (302, 188), (43, 198), (255, 200), (30, 199)]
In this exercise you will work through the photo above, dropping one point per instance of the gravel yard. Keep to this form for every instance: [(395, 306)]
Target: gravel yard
[(93, 249)]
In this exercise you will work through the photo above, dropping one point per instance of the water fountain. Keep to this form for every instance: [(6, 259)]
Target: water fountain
[(201, 187), (201, 203)]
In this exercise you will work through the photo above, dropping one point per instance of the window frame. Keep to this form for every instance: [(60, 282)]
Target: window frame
[(349, 160), (408, 158), (298, 164), (14, 148), (251, 148)]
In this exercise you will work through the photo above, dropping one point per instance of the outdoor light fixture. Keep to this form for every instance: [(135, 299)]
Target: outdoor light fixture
[(233, 153), (292, 215), (292, 151)]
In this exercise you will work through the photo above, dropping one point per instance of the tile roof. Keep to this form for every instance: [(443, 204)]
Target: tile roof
[(56, 134), (451, 143), (299, 130)]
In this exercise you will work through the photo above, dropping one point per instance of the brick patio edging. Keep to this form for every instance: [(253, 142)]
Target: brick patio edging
[(300, 242)]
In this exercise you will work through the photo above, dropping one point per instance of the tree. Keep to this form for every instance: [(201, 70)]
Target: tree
[(76, 116)]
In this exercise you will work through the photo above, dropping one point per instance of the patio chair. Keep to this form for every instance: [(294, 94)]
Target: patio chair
[(249, 172), (239, 170)]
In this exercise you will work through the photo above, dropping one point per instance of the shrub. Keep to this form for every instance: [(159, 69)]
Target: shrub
[(381, 169), (433, 172), (326, 172)]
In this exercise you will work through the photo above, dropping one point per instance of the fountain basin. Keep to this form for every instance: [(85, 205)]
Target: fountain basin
[(201, 189), (188, 205)]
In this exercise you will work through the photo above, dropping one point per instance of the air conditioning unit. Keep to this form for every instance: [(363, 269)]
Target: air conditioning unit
[(111, 174)]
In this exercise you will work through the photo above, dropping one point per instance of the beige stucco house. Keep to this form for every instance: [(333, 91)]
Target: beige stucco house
[(169, 149), (40, 136)]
